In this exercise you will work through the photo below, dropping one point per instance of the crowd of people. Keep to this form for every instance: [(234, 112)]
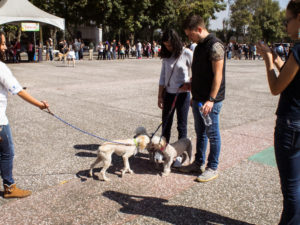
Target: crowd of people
[(74, 50), (238, 51), (104, 50)]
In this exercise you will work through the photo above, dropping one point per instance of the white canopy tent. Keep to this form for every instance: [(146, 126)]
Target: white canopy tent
[(12, 11)]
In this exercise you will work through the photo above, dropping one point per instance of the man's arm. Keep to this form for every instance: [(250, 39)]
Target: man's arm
[(217, 61)]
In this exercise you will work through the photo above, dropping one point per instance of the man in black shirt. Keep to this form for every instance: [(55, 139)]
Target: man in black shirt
[(208, 88)]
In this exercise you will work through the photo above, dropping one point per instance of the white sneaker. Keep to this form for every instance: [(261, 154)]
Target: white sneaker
[(158, 157), (208, 175), (177, 162)]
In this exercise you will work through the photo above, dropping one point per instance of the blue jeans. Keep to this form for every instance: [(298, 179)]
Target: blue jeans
[(51, 54), (287, 152), (182, 110), (204, 133), (6, 154)]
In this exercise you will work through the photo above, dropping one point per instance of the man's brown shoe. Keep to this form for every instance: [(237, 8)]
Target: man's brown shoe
[(13, 192), (192, 168)]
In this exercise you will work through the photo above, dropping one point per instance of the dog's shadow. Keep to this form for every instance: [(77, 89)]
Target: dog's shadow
[(139, 163), (88, 150), (173, 214)]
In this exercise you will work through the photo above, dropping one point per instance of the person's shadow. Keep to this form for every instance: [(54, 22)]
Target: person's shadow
[(174, 214)]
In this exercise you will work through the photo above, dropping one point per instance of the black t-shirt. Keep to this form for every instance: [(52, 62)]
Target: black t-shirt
[(289, 102), (211, 49)]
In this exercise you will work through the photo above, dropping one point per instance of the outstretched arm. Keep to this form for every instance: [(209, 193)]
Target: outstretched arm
[(28, 98)]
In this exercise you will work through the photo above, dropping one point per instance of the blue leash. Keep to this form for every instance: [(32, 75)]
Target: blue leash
[(82, 131)]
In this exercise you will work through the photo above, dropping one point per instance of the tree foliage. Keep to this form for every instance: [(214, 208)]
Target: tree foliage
[(257, 20), (131, 17)]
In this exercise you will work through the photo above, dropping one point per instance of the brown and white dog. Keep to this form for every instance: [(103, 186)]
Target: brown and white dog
[(126, 150), (170, 151)]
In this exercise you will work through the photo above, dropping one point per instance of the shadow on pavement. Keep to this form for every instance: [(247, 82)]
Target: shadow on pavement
[(90, 147), (174, 214), (139, 164)]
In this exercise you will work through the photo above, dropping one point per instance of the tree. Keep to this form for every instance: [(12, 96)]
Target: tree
[(257, 20), (70, 10), (205, 8), (268, 22), (241, 16)]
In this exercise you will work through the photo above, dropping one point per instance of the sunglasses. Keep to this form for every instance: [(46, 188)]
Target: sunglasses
[(286, 21)]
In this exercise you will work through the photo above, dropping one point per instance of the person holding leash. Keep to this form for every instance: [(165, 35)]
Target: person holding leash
[(8, 83), (287, 129), (176, 64)]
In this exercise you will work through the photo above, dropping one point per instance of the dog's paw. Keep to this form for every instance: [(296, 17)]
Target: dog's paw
[(165, 174), (105, 179), (130, 171), (123, 173)]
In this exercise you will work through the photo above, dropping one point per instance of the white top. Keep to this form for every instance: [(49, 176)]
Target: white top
[(139, 46), (180, 72), (8, 83), (100, 48), (193, 46)]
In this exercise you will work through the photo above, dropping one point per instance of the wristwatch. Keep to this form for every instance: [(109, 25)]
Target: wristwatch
[(211, 99)]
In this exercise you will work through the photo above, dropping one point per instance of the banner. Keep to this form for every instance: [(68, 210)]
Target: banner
[(30, 26)]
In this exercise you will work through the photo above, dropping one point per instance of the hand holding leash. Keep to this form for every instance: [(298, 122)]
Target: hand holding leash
[(44, 105)]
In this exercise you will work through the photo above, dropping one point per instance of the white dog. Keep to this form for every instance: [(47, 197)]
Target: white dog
[(126, 150), (171, 151)]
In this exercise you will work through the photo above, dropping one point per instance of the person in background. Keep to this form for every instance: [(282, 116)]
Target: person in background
[(91, 50), (18, 50), (287, 129), (100, 49), (8, 83), (50, 49), (47, 51)]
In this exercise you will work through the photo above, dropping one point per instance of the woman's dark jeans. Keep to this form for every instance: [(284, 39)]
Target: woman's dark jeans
[(6, 154), (287, 152), (182, 109)]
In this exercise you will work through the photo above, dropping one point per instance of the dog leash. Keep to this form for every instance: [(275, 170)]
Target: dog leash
[(169, 114), (83, 131)]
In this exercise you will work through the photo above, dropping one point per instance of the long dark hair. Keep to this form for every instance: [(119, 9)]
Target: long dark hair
[(294, 7), (172, 36)]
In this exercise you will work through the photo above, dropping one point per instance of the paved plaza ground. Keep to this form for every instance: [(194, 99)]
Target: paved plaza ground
[(111, 99)]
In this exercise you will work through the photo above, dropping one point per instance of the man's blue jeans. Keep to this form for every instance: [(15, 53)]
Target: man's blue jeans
[(6, 154), (204, 133), (287, 152)]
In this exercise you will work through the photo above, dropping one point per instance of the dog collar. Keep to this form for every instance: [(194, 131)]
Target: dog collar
[(162, 149)]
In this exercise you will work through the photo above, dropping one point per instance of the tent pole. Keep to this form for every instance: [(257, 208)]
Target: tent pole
[(41, 34), (34, 42)]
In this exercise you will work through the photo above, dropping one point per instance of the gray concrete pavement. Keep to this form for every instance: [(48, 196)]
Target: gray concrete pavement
[(111, 99)]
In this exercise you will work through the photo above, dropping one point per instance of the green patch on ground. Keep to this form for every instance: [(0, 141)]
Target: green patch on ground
[(266, 156)]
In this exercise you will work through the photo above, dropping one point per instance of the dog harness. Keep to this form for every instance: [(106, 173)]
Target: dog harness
[(136, 143)]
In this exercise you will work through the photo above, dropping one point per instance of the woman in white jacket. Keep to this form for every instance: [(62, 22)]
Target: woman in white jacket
[(8, 83)]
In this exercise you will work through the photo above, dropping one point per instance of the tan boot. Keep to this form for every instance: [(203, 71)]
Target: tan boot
[(13, 192)]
